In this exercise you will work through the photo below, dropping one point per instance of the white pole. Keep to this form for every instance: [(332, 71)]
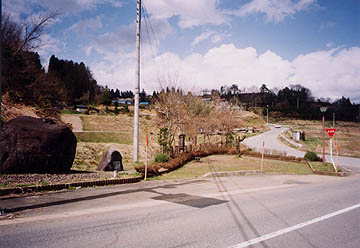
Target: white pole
[(137, 85), (262, 157), (146, 158), (331, 156)]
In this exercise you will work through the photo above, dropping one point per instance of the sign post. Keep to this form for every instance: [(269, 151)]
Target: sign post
[(262, 156), (331, 132)]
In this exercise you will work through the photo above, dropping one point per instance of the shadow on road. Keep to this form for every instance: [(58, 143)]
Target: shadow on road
[(99, 196)]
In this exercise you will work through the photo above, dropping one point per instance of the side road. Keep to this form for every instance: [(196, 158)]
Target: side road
[(271, 141)]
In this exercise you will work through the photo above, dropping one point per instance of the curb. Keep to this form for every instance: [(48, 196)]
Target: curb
[(232, 173), (61, 186)]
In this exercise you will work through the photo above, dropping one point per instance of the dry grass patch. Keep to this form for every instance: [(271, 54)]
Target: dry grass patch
[(88, 155), (234, 163)]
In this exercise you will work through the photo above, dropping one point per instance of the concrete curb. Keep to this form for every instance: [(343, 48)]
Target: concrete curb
[(232, 173), (290, 141), (61, 186)]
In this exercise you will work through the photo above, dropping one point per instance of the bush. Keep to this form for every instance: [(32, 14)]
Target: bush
[(311, 156), (161, 158)]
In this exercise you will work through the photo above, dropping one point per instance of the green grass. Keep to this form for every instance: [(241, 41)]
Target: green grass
[(233, 163), (70, 112), (101, 137), (319, 167), (25, 184), (312, 141)]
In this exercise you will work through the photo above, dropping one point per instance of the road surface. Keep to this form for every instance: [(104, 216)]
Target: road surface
[(262, 211), (272, 142)]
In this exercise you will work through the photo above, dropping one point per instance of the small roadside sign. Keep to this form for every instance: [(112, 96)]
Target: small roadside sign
[(331, 131)]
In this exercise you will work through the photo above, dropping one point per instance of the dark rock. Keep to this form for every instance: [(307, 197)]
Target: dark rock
[(112, 160), (31, 145)]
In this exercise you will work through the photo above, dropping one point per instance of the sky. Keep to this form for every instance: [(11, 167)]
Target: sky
[(205, 44)]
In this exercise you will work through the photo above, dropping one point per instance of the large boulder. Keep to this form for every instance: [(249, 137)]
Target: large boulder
[(112, 160), (31, 145)]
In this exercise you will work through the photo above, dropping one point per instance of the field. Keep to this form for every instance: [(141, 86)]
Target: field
[(347, 137)]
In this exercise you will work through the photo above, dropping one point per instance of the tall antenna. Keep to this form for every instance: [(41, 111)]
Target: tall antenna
[(137, 85)]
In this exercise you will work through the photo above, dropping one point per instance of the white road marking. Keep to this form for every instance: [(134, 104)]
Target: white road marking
[(141, 204), (293, 228)]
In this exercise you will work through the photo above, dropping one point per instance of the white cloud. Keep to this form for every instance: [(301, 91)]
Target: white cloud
[(201, 37), (330, 73), (190, 13), (124, 38), (219, 37), (274, 10), (215, 37), (82, 26)]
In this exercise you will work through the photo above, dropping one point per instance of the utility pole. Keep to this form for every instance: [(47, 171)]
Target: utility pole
[(297, 103), (333, 119), (137, 85), (267, 114), (1, 38)]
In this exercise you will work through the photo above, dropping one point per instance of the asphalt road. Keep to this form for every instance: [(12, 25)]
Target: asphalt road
[(266, 211), (272, 142)]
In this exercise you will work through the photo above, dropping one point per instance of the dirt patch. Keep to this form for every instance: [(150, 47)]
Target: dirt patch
[(74, 121)]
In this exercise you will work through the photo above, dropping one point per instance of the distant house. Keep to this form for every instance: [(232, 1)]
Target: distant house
[(126, 101), (81, 108), (144, 103)]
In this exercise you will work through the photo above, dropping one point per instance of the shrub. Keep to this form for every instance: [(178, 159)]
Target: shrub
[(161, 158), (311, 156)]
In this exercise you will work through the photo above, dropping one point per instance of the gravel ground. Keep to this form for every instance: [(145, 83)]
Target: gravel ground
[(12, 180)]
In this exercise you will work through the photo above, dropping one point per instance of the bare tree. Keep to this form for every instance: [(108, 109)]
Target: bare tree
[(25, 36)]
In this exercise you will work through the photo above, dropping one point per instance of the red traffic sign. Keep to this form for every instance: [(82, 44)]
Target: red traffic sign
[(331, 131)]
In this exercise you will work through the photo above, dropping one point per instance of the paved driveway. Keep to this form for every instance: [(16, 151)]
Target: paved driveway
[(272, 142)]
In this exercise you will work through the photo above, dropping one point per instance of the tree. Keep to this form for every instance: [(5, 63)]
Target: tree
[(26, 36), (23, 76), (105, 97), (77, 79)]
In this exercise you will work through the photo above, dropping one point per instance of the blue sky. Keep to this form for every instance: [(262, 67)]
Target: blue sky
[(203, 44)]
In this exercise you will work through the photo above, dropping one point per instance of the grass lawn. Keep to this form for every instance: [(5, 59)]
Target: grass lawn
[(104, 137), (319, 166), (234, 163)]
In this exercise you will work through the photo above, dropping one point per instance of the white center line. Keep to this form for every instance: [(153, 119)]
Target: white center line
[(293, 228)]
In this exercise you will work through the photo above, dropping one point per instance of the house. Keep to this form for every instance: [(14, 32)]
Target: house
[(81, 108)]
